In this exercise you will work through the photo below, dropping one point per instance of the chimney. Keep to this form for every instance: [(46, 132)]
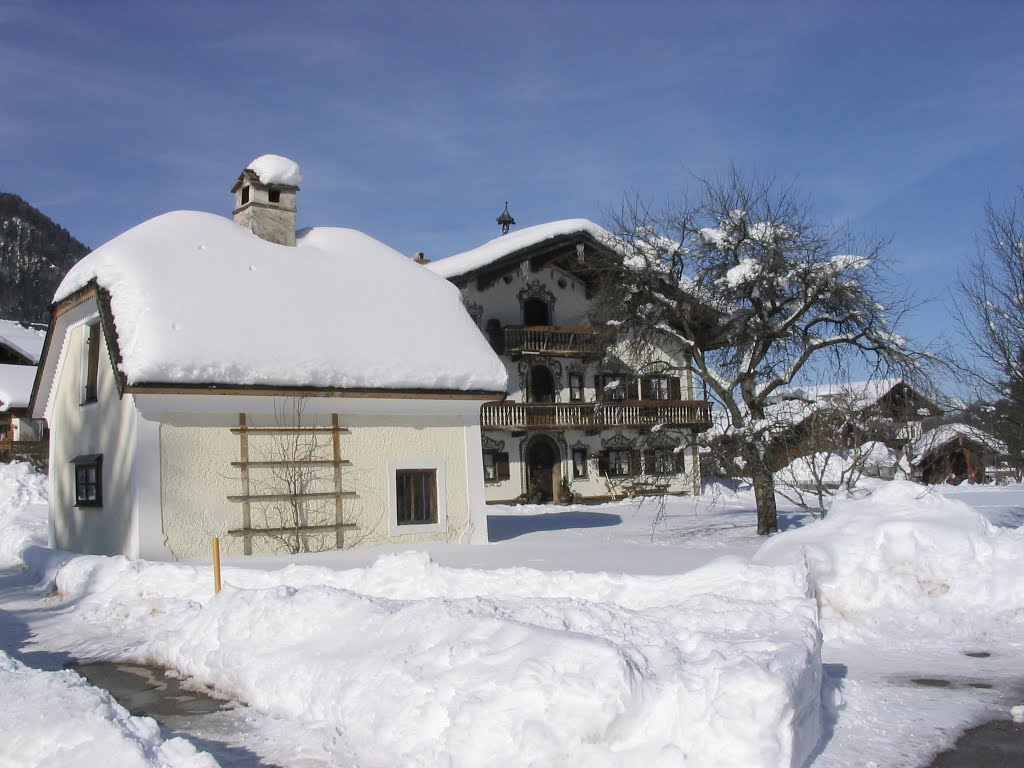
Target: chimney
[(421, 258), (265, 198)]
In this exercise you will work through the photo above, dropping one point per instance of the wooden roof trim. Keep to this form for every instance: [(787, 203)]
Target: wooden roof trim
[(156, 388), (543, 248)]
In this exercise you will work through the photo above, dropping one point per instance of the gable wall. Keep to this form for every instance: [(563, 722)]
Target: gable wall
[(105, 427), (501, 301)]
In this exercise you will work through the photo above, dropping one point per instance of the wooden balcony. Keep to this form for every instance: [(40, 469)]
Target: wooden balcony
[(558, 341), (695, 414)]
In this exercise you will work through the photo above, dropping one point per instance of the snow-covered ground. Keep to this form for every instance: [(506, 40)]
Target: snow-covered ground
[(623, 635)]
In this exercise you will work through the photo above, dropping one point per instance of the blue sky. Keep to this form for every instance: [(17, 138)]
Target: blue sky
[(416, 121)]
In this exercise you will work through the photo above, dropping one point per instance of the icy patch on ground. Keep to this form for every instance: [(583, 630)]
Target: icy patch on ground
[(56, 719), (906, 562), (420, 664)]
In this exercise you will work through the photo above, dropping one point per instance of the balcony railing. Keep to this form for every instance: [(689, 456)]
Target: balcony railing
[(555, 340), (515, 416)]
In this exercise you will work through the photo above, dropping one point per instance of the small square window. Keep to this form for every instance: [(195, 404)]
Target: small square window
[(416, 493), (88, 480), (274, 195), (245, 194)]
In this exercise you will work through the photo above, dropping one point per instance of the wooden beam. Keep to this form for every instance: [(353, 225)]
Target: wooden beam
[(290, 463), (244, 456), (339, 537), (284, 430), (276, 531), (256, 497), (157, 388)]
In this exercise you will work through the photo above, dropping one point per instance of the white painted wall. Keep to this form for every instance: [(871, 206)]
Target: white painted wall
[(197, 451)]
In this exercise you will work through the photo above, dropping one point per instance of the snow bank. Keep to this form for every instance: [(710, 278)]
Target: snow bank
[(906, 563), (197, 299), (275, 169), (57, 719), (23, 510), (423, 665)]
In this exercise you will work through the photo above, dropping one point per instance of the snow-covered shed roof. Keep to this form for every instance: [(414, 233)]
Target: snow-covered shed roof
[(504, 246), (16, 386), (858, 394), (26, 341), (937, 438), (197, 299)]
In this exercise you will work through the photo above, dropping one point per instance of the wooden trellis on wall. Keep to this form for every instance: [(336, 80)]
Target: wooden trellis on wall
[(300, 461)]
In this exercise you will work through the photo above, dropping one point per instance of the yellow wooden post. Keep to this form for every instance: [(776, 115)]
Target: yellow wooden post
[(216, 566)]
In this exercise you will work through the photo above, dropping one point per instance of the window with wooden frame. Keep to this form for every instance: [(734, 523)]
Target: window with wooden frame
[(579, 462), (88, 480), (659, 388), (618, 462), (496, 466), (575, 387), (416, 496), (663, 461), (611, 386), (91, 369)]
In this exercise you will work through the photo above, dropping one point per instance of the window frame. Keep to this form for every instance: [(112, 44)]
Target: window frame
[(580, 464), (424, 464), (498, 464), (620, 455), (91, 343), (575, 381), (83, 464)]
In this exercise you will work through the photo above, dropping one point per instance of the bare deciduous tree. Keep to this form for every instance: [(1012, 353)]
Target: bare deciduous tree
[(991, 314), (749, 286)]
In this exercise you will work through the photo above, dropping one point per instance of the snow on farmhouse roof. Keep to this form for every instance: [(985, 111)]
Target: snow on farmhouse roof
[(197, 299), (857, 394), (936, 438), (16, 385), (25, 341), (500, 247), (274, 169)]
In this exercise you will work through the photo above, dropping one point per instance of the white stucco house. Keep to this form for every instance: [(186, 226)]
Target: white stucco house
[(283, 391), (587, 418)]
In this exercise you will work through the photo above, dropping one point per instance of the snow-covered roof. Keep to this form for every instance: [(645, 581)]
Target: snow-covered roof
[(935, 439), (23, 340), (197, 299), (16, 385), (500, 247), (858, 394), (275, 169)]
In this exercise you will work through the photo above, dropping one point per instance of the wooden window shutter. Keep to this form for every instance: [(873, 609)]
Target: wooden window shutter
[(679, 461), (501, 466), (633, 389), (649, 466), (602, 463), (645, 389), (634, 462), (598, 386), (674, 388)]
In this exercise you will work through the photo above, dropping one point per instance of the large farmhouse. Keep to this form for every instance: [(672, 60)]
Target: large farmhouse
[(283, 391), (584, 419)]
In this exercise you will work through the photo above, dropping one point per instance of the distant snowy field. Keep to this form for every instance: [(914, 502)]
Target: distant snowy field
[(617, 635)]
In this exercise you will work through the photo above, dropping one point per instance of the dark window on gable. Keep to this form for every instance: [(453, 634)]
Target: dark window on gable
[(495, 466), (274, 195), (88, 480), (416, 491), (245, 194), (92, 363), (536, 312)]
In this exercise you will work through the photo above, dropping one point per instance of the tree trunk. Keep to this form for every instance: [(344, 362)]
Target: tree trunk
[(764, 495)]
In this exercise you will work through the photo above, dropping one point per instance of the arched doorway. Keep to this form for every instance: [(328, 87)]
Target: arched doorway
[(536, 312), (541, 385), (543, 470)]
